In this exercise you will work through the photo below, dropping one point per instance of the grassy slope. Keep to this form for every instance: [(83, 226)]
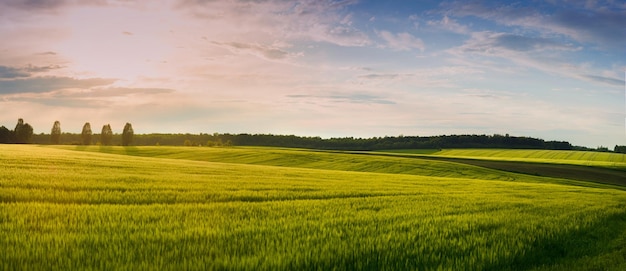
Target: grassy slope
[(586, 158), (78, 210), (301, 158), (607, 168)]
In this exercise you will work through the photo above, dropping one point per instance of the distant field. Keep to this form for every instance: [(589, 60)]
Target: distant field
[(192, 208), (549, 156), (343, 161), (597, 167)]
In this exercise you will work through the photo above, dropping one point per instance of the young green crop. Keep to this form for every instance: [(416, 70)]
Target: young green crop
[(68, 210), (588, 158)]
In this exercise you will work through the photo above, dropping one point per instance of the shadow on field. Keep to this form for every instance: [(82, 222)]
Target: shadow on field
[(565, 251), (585, 248), (573, 172)]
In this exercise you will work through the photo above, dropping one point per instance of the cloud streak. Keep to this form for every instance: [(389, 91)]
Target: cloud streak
[(401, 41), (603, 27), (48, 84), (10, 72), (265, 52), (355, 98)]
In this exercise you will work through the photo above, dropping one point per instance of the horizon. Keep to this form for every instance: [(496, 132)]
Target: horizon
[(552, 70)]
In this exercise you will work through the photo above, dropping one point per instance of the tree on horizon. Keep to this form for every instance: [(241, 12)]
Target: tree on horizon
[(5, 135), (23, 132), (55, 134), (106, 136), (127, 134), (86, 134)]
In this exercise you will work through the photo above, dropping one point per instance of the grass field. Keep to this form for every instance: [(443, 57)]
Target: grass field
[(587, 158), (191, 208)]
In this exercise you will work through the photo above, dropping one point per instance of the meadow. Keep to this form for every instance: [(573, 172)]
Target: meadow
[(587, 158), (192, 208)]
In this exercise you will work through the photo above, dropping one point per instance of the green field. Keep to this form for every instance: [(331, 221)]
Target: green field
[(588, 158), (192, 208)]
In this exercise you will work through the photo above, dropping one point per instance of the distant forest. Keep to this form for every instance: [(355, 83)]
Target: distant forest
[(23, 133), (346, 143)]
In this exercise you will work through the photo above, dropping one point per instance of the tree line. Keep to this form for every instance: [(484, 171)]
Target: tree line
[(397, 142), (23, 134), (350, 143)]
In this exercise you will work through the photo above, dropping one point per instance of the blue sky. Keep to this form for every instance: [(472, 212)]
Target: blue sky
[(548, 69)]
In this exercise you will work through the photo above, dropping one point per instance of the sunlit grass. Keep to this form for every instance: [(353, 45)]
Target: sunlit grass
[(587, 158), (69, 210)]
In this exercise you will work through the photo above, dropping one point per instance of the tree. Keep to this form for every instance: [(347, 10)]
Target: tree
[(620, 149), (86, 134), (106, 136), (55, 134), (23, 132), (127, 134), (5, 135)]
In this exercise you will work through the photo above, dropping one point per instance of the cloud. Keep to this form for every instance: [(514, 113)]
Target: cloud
[(37, 69), (606, 80), (48, 84), (317, 21), (490, 42), (450, 24), (601, 26), (7, 72), (120, 92), (265, 52), (356, 98), (35, 4), (48, 53), (543, 54), (401, 41), (377, 76), (10, 72)]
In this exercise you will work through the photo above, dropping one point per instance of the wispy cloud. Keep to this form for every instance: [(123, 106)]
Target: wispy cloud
[(493, 43), (262, 51), (449, 24), (547, 55), (47, 84), (318, 21), (379, 76), (600, 26), (401, 41), (41, 69), (606, 80), (8, 72), (35, 4), (357, 98), (11, 72), (104, 92)]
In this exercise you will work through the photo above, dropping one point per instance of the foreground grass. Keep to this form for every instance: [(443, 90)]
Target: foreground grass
[(62, 210)]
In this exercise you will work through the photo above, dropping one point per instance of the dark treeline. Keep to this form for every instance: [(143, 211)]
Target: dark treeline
[(23, 133), (399, 142), (346, 143)]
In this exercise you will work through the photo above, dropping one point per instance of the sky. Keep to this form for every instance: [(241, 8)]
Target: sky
[(549, 69)]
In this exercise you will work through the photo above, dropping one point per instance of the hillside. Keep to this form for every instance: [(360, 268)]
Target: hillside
[(178, 208)]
